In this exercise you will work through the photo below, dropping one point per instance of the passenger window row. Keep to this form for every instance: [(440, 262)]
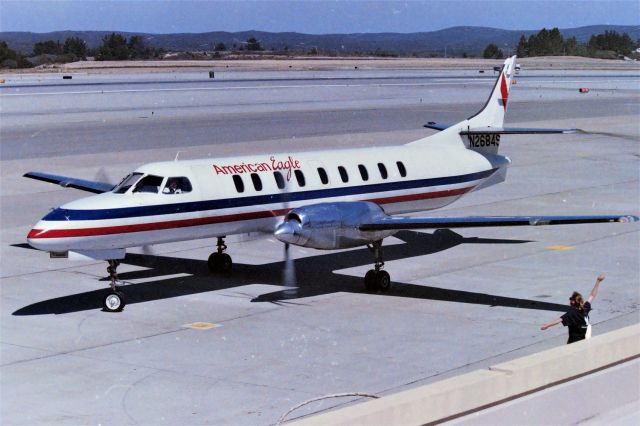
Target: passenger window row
[(322, 174)]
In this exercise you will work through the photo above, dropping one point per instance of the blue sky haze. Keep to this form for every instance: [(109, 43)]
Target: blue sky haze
[(313, 17)]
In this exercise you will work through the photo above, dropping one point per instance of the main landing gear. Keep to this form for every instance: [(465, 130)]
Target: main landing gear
[(220, 262), (115, 300), (377, 279)]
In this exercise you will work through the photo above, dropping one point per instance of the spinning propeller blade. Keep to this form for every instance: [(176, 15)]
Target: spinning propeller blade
[(289, 274)]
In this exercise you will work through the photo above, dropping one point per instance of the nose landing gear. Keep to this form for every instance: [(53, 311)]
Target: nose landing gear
[(115, 300), (377, 279)]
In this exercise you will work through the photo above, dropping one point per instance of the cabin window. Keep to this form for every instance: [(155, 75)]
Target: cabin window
[(343, 174), (401, 168), (177, 185), (279, 179), (383, 171), (237, 181), (323, 176), (363, 172), (299, 177), (257, 183), (127, 183), (149, 183)]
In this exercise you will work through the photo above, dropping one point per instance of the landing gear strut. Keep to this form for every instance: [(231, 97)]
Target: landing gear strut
[(377, 279), (220, 262), (115, 300)]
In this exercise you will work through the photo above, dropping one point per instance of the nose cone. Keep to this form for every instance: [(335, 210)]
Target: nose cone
[(42, 237), (289, 232), (37, 236)]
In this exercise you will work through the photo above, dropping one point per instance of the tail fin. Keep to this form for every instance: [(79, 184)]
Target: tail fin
[(492, 114), (481, 132), (490, 118)]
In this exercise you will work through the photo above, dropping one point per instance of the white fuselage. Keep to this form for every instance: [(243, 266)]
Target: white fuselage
[(402, 179)]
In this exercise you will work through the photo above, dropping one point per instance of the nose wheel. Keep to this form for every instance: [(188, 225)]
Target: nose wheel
[(377, 279), (115, 300), (220, 262)]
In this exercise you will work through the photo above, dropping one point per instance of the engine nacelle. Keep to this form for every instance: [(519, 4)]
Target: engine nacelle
[(331, 225)]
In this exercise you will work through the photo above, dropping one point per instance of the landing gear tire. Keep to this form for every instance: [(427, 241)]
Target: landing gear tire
[(383, 280), (370, 283), (220, 263), (114, 301), (377, 281)]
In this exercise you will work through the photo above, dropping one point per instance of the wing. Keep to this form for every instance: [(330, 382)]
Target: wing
[(395, 222), (68, 182)]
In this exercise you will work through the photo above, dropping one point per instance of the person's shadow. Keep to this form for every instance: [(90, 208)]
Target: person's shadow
[(314, 276)]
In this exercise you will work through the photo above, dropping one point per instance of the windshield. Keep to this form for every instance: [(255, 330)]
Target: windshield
[(126, 183)]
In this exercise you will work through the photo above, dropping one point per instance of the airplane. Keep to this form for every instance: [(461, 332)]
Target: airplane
[(327, 200)]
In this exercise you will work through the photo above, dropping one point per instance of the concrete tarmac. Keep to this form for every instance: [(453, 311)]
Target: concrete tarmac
[(191, 348)]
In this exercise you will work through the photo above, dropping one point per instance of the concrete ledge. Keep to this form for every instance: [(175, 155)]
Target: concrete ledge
[(479, 389)]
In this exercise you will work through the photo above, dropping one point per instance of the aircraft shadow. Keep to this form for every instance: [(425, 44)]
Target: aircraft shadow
[(314, 276)]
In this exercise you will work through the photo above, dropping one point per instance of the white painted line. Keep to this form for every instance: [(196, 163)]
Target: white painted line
[(188, 89)]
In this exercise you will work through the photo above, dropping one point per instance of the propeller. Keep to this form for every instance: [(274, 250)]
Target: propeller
[(148, 251), (102, 176), (289, 272)]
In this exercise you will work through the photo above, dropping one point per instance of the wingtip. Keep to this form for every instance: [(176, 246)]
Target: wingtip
[(628, 219)]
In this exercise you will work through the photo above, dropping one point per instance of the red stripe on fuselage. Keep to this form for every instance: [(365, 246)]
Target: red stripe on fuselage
[(156, 226)]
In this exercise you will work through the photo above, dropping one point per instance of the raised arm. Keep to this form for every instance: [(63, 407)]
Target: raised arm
[(594, 292)]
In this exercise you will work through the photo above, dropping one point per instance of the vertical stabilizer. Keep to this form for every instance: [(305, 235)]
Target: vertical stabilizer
[(490, 117), (492, 114)]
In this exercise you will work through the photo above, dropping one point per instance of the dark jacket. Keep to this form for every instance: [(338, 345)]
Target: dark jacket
[(575, 320)]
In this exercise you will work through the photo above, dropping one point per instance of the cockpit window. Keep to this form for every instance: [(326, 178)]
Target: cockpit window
[(177, 185), (127, 183), (149, 183)]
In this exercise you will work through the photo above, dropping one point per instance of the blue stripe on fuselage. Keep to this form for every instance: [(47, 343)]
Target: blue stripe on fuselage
[(60, 214)]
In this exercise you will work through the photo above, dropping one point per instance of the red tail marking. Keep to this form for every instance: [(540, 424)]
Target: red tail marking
[(504, 90)]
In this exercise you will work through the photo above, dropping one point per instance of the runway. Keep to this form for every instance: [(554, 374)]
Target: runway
[(191, 348), (90, 117)]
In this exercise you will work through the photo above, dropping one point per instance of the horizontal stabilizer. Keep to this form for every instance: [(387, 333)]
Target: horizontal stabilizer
[(436, 126), (391, 223), (501, 130), (515, 131), (68, 182)]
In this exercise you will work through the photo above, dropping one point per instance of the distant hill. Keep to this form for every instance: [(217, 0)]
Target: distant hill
[(455, 40)]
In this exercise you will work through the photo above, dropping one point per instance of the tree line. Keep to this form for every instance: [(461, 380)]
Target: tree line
[(608, 45), (115, 46)]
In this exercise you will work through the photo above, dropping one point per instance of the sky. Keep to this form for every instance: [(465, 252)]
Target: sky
[(309, 16)]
